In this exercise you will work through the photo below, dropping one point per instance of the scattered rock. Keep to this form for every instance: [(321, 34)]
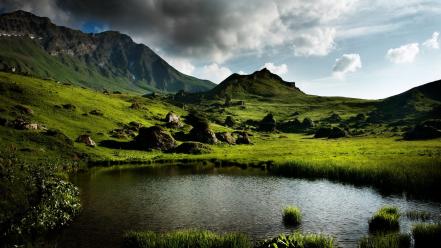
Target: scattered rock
[(337, 132), (192, 148), (19, 123), (242, 138), (135, 106), (173, 120), (204, 135), (226, 138), (334, 118), (322, 132), (96, 112), (34, 126), (24, 109), (293, 125), (69, 106), (229, 121), (268, 123), (86, 139), (134, 126), (423, 131), (154, 138), (307, 123)]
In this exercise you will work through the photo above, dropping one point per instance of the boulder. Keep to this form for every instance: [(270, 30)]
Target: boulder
[(290, 126), (34, 126), (69, 106), (334, 118), (96, 112), (172, 120), (226, 138), (192, 148), (135, 106), (229, 121), (422, 132), (242, 138), (337, 132), (153, 138), (24, 109), (322, 132), (134, 126), (268, 123), (86, 139), (307, 123), (204, 135), (197, 120)]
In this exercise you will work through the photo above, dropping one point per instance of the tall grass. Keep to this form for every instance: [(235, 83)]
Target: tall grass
[(385, 219), (185, 238), (292, 215), (395, 240), (418, 215), (427, 235), (299, 240)]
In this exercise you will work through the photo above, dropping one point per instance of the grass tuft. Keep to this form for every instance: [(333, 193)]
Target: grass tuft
[(418, 215), (386, 219), (292, 215), (395, 240), (427, 235), (185, 238), (299, 240)]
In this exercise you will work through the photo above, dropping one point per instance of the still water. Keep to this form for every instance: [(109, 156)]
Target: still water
[(164, 198)]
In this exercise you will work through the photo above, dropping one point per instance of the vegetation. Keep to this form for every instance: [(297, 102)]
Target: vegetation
[(418, 215), (385, 219), (299, 240), (185, 238), (427, 235), (292, 215), (393, 240)]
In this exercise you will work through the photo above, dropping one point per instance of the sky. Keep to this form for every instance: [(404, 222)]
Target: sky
[(356, 48)]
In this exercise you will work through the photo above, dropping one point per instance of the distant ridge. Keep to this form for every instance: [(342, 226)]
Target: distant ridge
[(34, 45)]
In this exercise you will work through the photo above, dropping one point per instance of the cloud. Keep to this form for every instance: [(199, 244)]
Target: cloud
[(345, 64), (317, 42), (403, 54), (180, 64), (277, 69), (214, 72), (432, 42)]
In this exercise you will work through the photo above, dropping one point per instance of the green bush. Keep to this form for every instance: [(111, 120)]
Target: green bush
[(185, 238), (292, 215), (395, 240), (385, 219), (427, 235), (299, 240)]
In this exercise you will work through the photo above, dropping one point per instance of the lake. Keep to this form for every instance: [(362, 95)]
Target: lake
[(164, 198)]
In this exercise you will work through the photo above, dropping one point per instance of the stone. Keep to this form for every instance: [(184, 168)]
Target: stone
[(226, 138), (193, 148), (86, 139), (154, 137)]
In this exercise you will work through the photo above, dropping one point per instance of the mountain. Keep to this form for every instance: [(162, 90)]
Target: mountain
[(418, 102), (35, 46), (261, 83)]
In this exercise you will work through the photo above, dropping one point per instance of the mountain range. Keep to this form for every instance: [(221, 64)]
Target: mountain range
[(35, 46)]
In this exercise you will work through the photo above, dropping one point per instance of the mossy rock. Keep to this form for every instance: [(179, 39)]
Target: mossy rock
[(193, 148)]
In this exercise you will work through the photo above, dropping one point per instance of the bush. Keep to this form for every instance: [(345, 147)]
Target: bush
[(185, 238), (299, 240), (396, 240), (292, 215), (384, 220), (427, 235)]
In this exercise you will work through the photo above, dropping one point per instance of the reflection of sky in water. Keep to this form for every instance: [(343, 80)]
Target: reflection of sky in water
[(167, 199)]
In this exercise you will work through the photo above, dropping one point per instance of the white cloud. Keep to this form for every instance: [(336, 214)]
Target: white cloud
[(215, 72), (316, 42), (181, 65), (345, 64), (277, 69), (432, 42), (403, 54)]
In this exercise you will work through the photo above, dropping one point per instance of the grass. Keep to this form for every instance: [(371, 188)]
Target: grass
[(418, 215), (427, 235), (299, 240), (185, 238), (384, 220), (292, 215), (395, 240)]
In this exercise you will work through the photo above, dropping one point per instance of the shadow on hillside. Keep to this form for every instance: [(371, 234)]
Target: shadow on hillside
[(113, 144)]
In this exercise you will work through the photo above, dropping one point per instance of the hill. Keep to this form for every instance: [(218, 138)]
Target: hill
[(35, 46)]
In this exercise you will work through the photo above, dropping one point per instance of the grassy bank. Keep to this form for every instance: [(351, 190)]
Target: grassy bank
[(427, 235), (395, 240)]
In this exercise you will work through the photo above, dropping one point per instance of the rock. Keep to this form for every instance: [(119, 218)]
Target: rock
[(135, 106), (422, 132), (197, 120), (293, 125), (432, 123), (69, 106), (226, 138), (86, 139), (173, 120), (307, 123), (192, 148), (242, 138), (229, 121), (337, 132), (268, 123), (23, 109), (154, 137), (134, 126), (334, 118), (322, 132), (34, 126), (204, 135), (96, 112)]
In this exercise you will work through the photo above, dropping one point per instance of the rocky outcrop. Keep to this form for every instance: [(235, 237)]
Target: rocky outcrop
[(426, 130), (153, 138), (192, 148), (172, 120), (226, 138), (242, 138), (268, 123), (323, 132), (229, 121), (204, 135), (337, 132), (86, 139)]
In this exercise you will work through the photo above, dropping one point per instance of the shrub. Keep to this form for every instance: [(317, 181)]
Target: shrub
[(292, 215), (185, 238), (385, 219), (395, 240), (427, 235), (299, 240)]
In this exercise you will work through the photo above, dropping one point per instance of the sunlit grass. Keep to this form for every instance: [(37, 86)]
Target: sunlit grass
[(395, 240), (299, 240), (292, 215), (385, 219)]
